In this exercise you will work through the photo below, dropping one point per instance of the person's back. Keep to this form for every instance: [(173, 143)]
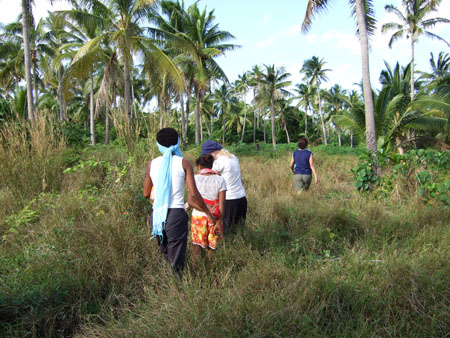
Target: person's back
[(302, 165), (301, 158), (229, 169), (178, 180)]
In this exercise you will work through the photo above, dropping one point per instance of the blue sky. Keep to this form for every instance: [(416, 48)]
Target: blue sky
[(269, 33)]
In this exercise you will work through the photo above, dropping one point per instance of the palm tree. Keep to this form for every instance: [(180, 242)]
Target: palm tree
[(255, 79), (274, 82), (363, 11), (335, 101), (241, 87), (122, 26), (439, 68), (26, 16), (315, 74), (352, 118), (11, 56), (202, 42), (222, 97), (414, 22), (306, 96)]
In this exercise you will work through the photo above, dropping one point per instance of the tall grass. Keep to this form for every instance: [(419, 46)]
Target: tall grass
[(78, 259)]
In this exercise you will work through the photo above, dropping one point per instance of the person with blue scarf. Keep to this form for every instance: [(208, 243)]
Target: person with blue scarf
[(164, 183)]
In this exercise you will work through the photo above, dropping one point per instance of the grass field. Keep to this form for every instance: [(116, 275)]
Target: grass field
[(76, 256)]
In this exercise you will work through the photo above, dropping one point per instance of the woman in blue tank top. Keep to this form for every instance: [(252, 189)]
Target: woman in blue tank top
[(302, 165)]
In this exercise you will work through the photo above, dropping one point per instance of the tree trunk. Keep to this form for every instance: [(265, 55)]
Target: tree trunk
[(223, 124), (254, 126), (35, 79), (183, 121), (243, 126), (60, 96), (161, 112), (412, 67), (351, 140), (91, 111), (127, 87), (324, 135), (339, 136), (27, 56), (197, 116), (107, 124), (371, 138), (272, 118), (286, 130), (264, 122), (206, 126), (306, 121), (133, 103)]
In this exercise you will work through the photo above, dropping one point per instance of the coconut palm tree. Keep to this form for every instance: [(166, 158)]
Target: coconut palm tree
[(335, 102), (11, 56), (413, 23), (222, 97), (314, 74), (439, 68), (241, 87), (202, 41), (122, 25), (255, 81), (274, 83), (363, 12), (26, 23), (306, 95), (352, 117)]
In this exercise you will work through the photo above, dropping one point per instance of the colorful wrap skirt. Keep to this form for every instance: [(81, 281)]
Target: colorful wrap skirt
[(202, 231)]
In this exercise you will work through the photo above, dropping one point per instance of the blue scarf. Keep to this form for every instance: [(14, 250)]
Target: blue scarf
[(164, 188)]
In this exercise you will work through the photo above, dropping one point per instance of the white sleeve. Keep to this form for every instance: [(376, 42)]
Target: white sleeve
[(223, 185), (218, 166)]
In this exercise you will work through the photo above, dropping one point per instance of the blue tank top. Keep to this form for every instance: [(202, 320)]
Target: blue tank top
[(301, 158)]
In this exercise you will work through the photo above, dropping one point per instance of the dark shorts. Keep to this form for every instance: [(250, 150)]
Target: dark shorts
[(174, 243), (235, 212)]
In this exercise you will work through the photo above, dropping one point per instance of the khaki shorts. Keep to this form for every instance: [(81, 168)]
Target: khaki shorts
[(302, 182)]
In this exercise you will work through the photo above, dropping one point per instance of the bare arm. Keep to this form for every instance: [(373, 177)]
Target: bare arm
[(195, 200), (291, 165), (313, 168), (218, 226), (148, 184)]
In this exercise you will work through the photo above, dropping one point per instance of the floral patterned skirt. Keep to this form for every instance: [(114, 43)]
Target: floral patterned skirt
[(202, 231)]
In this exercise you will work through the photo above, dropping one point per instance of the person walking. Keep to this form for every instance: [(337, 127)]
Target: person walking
[(227, 165), (167, 175), (302, 165), (212, 187)]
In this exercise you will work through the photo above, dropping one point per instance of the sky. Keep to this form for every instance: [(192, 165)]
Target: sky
[(269, 32)]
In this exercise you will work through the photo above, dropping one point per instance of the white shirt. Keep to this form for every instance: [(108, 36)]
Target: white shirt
[(178, 180), (230, 170), (209, 187)]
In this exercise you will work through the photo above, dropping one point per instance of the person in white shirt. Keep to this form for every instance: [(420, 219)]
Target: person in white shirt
[(227, 165), (164, 184), (204, 233)]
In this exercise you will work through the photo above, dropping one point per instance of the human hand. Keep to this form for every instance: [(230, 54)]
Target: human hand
[(186, 206), (316, 180), (218, 228)]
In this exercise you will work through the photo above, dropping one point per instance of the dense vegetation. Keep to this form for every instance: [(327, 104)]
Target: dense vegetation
[(106, 63), (364, 253), (77, 258)]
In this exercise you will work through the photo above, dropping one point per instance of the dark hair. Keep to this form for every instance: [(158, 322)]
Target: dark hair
[(302, 143), (205, 161), (167, 137)]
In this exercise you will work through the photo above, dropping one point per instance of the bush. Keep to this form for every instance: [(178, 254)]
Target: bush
[(421, 172)]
